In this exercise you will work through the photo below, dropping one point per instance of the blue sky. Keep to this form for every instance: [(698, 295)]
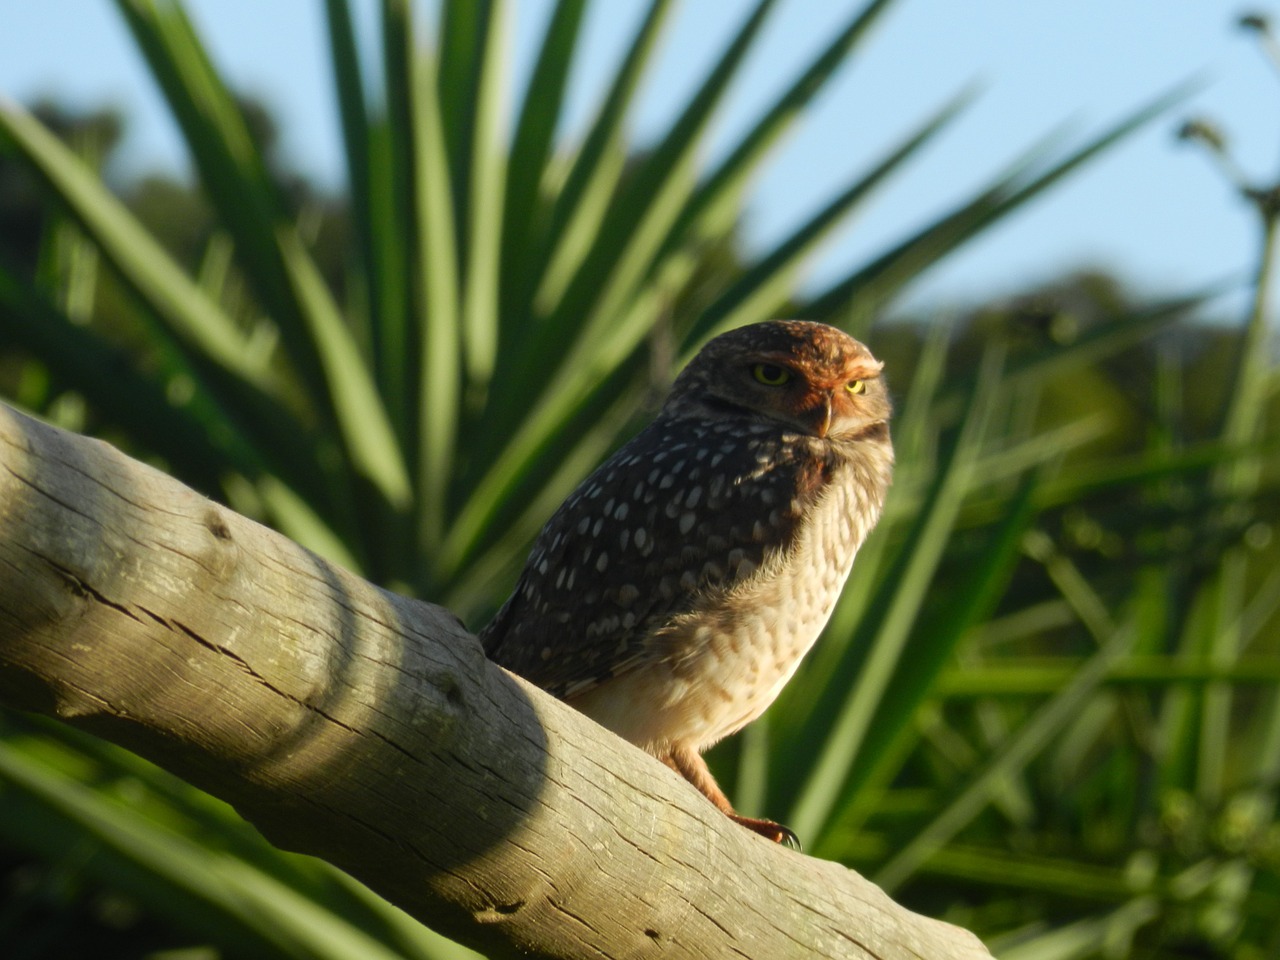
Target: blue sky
[(1154, 210)]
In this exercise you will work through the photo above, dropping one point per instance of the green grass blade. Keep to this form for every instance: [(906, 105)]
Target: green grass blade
[(914, 424), (464, 27), (532, 149), (1145, 469), (1030, 678), (203, 419), (187, 423), (768, 284), (273, 256), (392, 242), (362, 420), (1032, 737), (437, 307), (469, 90), (605, 314), (149, 271), (641, 219), (483, 205), (865, 291), (1179, 714), (1245, 415), (721, 192), (1242, 424), (1104, 339), (367, 175), (77, 270), (554, 256), (170, 805), (191, 434), (1091, 937), (231, 167), (353, 114), (228, 898)]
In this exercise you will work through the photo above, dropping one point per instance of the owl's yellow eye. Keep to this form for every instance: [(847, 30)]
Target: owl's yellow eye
[(856, 386), (770, 374)]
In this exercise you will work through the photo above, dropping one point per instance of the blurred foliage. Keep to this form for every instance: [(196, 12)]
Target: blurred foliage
[(1048, 706)]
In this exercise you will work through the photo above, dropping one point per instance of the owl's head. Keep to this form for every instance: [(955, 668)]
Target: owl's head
[(809, 376)]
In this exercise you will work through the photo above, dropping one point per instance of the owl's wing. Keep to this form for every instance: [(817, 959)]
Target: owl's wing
[(680, 511)]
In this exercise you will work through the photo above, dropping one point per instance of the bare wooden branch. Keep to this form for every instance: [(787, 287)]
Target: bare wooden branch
[(368, 729)]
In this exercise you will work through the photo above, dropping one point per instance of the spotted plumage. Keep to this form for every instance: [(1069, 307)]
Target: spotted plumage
[(675, 591)]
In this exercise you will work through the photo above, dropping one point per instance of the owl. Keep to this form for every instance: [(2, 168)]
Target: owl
[(674, 593)]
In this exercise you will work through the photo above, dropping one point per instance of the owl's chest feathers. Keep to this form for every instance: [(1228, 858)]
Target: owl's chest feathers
[(742, 539), (728, 658)]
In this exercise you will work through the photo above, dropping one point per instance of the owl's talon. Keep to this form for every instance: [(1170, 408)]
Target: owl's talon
[(790, 840), (770, 830)]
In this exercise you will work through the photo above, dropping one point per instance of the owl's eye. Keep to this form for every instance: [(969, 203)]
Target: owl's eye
[(770, 374), (856, 386)]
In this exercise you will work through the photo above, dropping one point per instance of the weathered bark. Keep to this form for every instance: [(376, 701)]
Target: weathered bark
[(368, 729)]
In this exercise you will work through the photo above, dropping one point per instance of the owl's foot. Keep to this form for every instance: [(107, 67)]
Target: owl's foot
[(776, 832), (687, 762)]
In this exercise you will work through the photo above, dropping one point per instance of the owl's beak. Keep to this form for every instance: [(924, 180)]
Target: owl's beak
[(819, 415)]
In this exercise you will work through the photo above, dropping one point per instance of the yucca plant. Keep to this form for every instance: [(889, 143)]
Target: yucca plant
[(503, 293), (509, 306)]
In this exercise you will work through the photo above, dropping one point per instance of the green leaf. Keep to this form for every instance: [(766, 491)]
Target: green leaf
[(720, 194), (269, 249), (532, 149), (643, 215), (864, 293), (362, 420), (231, 167), (766, 285), (485, 181), (224, 896), (553, 257), (192, 318), (437, 309), (383, 302), (1031, 737)]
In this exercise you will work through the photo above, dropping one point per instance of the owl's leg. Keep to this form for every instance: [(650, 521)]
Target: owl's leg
[(687, 762)]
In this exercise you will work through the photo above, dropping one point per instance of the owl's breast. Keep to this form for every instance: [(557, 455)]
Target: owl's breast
[(715, 667)]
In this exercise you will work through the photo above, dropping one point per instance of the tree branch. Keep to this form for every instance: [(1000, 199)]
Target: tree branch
[(368, 729)]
